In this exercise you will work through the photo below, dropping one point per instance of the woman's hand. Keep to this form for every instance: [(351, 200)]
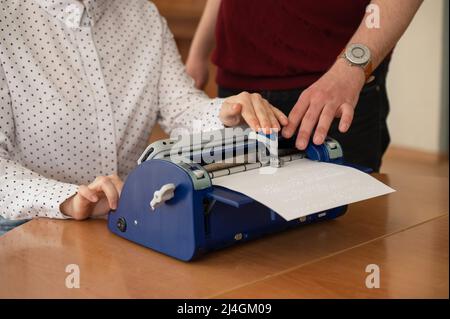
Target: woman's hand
[(95, 199), (334, 95), (254, 110)]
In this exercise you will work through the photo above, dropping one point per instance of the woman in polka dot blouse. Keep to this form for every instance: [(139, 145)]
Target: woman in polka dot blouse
[(81, 85)]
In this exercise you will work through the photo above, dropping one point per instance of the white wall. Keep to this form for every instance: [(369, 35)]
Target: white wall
[(416, 92)]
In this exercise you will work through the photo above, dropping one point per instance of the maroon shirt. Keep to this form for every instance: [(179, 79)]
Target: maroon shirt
[(281, 44)]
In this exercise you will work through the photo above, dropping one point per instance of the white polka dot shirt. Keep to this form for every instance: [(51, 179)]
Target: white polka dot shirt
[(81, 85)]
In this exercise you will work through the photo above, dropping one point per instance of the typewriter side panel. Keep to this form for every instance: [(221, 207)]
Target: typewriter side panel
[(171, 228), (239, 220)]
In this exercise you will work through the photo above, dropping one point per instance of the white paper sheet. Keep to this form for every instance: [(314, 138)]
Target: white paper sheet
[(303, 187)]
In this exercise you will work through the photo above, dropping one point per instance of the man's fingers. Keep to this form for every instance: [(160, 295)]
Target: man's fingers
[(309, 121), (325, 120), (346, 118), (296, 115)]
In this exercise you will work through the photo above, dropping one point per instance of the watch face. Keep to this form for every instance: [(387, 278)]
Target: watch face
[(358, 54)]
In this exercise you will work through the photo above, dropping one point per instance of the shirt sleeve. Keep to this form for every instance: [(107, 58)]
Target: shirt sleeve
[(180, 104), (24, 194)]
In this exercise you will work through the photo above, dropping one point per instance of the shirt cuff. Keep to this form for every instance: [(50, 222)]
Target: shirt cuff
[(211, 120), (53, 194)]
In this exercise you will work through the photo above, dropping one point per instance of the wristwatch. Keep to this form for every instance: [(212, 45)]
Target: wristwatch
[(359, 55)]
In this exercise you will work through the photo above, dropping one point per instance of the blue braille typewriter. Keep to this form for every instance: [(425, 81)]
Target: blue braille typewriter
[(170, 204)]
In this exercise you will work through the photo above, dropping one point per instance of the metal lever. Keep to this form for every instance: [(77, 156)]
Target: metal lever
[(165, 193)]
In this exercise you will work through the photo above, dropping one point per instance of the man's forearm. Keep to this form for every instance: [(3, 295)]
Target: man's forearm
[(336, 93), (395, 16), (204, 39)]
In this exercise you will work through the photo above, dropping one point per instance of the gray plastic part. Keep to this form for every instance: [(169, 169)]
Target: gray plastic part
[(190, 167), (334, 148)]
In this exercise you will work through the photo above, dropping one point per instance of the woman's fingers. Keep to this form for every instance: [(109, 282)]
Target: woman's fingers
[(88, 193), (255, 111), (281, 117), (274, 122), (117, 183), (230, 114), (105, 185), (261, 112), (96, 198)]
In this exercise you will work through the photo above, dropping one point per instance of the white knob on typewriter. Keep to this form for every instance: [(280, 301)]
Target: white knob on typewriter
[(165, 193)]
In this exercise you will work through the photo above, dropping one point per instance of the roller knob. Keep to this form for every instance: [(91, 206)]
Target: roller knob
[(165, 193)]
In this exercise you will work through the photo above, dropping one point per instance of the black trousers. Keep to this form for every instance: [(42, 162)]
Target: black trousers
[(368, 137)]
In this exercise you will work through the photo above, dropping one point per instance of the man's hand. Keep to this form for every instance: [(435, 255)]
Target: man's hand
[(198, 69), (334, 95), (95, 199), (254, 110)]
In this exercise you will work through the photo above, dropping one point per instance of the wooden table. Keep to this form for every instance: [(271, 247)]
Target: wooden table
[(405, 234)]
